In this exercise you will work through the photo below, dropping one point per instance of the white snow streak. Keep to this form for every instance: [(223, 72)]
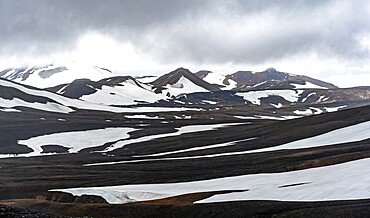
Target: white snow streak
[(76, 140), (344, 181), (353, 133), (181, 130)]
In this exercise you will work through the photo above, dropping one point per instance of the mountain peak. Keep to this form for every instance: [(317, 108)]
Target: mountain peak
[(271, 70), (174, 77), (274, 79)]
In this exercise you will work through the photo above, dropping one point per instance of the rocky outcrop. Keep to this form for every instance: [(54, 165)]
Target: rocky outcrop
[(69, 198)]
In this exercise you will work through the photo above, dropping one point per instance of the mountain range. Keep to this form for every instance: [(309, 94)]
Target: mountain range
[(276, 94), (84, 141)]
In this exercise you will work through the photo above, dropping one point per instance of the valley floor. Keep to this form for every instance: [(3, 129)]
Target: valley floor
[(145, 166)]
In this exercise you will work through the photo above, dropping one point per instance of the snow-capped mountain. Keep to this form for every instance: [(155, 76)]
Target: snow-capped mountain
[(282, 97), (119, 90), (182, 81), (15, 97), (268, 79), (269, 88), (52, 74)]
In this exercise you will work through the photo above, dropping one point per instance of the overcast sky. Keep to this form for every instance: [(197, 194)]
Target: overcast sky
[(328, 40)]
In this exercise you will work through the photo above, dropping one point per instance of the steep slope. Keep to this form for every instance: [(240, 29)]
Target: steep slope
[(14, 95), (52, 74), (119, 90), (182, 81), (275, 79), (216, 78), (268, 79)]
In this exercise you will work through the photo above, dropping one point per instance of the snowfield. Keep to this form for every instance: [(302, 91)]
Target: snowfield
[(308, 85), (127, 93), (16, 102), (353, 133), (344, 181), (255, 96), (216, 78), (184, 86), (77, 140)]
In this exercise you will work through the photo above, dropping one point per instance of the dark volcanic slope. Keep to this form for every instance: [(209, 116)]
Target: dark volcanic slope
[(77, 88), (270, 78), (174, 76), (261, 209), (13, 212), (81, 87)]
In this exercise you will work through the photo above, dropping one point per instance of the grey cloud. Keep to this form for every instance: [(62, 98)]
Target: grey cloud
[(177, 30), (294, 29), (56, 24)]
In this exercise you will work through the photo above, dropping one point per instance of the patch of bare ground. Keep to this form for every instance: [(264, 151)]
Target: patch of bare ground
[(354, 208)]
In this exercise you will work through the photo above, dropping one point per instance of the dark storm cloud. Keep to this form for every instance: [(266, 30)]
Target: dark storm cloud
[(199, 31)]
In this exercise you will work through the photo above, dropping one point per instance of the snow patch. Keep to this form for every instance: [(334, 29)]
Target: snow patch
[(86, 139), (334, 109), (128, 93), (9, 110), (138, 116), (216, 78), (344, 181), (255, 96), (279, 105), (181, 130), (184, 86), (306, 112), (312, 93)]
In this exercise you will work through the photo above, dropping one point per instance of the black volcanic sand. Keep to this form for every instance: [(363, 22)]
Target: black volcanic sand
[(14, 212), (268, 209), (31, 178)]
